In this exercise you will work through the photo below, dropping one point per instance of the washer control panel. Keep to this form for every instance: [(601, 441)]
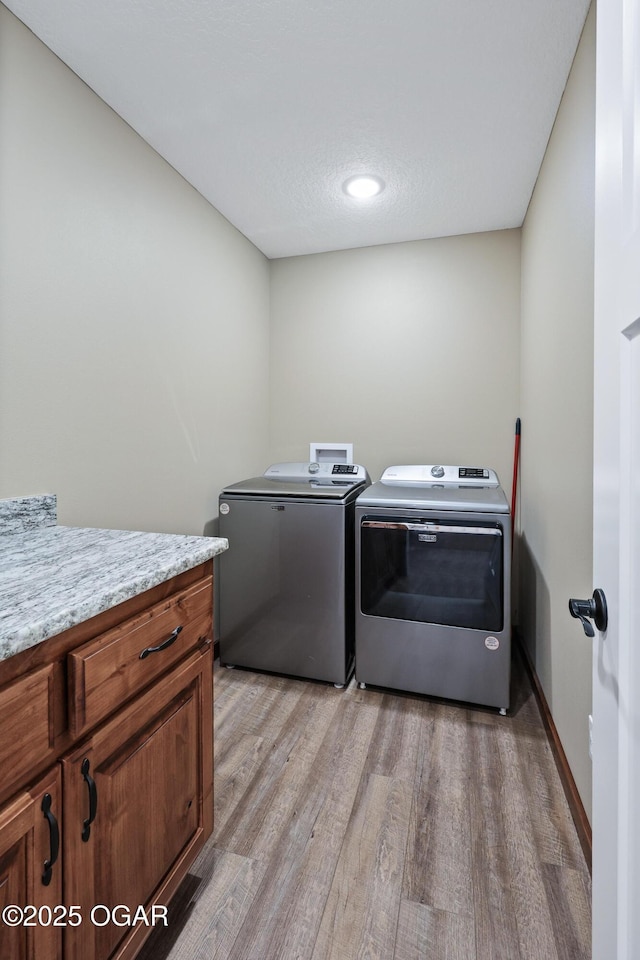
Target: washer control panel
[(318, 472)]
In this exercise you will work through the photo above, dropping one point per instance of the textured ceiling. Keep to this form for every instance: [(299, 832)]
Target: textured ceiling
[(267, 106)]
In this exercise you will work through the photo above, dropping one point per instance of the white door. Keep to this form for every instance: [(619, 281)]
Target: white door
[(616, 676)]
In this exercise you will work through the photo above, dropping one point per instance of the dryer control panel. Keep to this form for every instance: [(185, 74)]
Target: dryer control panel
[(473, 473), (438, 475)]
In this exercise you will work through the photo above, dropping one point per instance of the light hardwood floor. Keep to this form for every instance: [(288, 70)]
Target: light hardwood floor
[(353, 824)]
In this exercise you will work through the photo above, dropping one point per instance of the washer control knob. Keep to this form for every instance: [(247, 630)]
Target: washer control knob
[(314, 467), (437, 472)]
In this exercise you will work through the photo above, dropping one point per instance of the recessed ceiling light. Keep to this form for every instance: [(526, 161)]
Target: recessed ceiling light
[(363, 186)]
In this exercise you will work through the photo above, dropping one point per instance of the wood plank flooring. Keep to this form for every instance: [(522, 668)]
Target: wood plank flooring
[(369, 825)]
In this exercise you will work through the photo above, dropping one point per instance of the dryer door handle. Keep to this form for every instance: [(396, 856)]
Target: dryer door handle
[(384, 525)]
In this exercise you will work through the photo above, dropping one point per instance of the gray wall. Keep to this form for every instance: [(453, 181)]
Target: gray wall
[(134, 319), (557, 412), (410, 351)]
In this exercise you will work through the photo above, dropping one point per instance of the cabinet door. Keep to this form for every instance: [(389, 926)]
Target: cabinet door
[(28, 878), (138, 807), (27, 724)]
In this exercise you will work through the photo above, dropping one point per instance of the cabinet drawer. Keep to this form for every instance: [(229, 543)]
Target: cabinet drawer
[(26, 721), (113, 667)]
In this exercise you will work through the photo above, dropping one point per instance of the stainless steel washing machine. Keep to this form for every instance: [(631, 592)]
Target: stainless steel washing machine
[(286, 583), (433, 561)]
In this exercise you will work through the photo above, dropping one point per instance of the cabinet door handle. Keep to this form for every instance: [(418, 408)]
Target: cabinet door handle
[(54, 839), (93, 799), (161, 646)]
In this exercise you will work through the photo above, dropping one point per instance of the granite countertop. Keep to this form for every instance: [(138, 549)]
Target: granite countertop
[(53, 577)]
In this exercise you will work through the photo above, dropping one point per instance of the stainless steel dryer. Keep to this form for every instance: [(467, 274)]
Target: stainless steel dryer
[(433, 560), (286, 596)]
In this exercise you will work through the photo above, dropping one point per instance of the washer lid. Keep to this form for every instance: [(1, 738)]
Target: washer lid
[(323, 481), (298, 489)]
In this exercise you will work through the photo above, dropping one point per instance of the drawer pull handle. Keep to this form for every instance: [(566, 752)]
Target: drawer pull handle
[(54, 839), (161, 646), (93, 799)]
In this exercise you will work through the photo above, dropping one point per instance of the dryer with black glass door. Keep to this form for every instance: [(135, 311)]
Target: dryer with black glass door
[(433, 559)]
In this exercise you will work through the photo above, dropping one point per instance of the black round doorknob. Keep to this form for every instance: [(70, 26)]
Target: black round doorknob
[(594, 609)]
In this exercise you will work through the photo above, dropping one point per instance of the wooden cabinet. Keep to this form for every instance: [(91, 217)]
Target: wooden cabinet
[(147, 767), (123, 711), (113, 667), (26, 721), (30, 872)]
